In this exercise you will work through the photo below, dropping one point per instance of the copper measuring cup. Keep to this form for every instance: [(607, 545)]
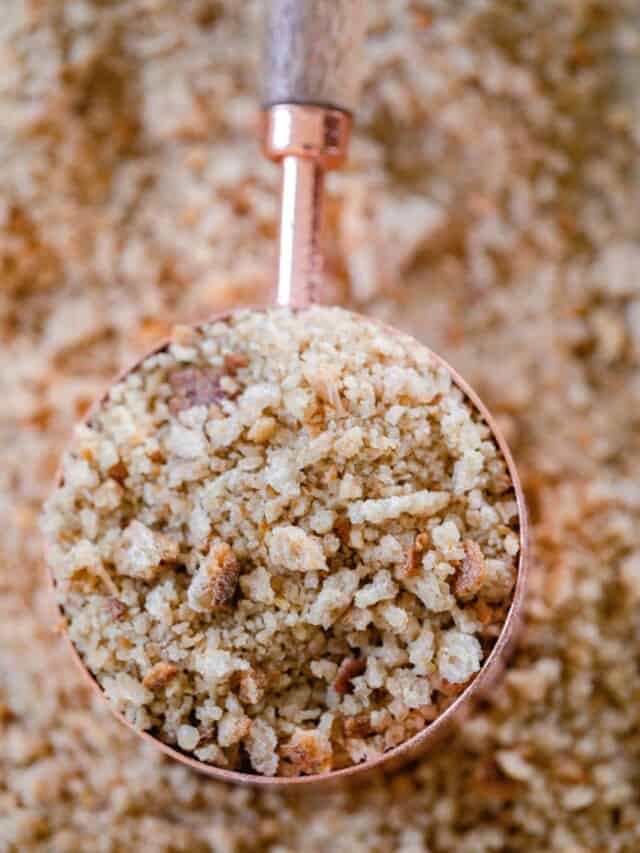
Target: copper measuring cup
[(310, 92)]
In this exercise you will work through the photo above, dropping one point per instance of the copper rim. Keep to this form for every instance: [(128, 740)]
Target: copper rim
[(421, 742)]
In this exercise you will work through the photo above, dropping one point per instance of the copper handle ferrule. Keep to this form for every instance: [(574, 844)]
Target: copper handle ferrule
[(307, 140)]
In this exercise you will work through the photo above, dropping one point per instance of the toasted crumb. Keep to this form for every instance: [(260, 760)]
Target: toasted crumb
[(348, 669), (342, 527), (234, 362), (308, 752), (118, 472), (358, 726), (214, 584), (160, 675), (473, 572), (422, 542), (484, 613), (262, 430), (411, 563)]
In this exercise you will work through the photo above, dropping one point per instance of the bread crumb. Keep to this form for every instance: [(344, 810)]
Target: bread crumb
[(252, 686), (381, 588), (358, 726), (293, 550), (308, 752), (214, 583), (423, 503), (471, 577), (232, 728), (348, 669), (188, 738), (143, 551), (459, 656), (261, 746), (262, 430), (160, 675)]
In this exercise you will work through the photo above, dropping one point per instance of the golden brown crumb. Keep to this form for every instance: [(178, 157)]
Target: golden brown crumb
[(448, 688), (428, 713), (349, 668), (415, 721), (358, 726), (342, 528), (307, 753), (215, 582), (484, 612), (170, 548), (160, 675), (87, 454), (118, 472), (234, 361), (6, 714), (412, 562), (330, 475), (472, 574), (422, 542)]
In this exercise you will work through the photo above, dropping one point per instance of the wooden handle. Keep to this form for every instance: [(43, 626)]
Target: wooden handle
[(313, 52)]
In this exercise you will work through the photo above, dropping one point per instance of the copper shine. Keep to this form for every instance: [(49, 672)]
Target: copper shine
[(307, 141)]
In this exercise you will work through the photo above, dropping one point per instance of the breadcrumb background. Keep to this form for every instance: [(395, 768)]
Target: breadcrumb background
[(490, 208)]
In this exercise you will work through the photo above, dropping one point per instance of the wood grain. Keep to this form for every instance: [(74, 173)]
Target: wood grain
[(313, 52)]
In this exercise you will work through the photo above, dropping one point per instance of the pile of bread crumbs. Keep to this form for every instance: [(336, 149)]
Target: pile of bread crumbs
[(284, 542), (491, 209)]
